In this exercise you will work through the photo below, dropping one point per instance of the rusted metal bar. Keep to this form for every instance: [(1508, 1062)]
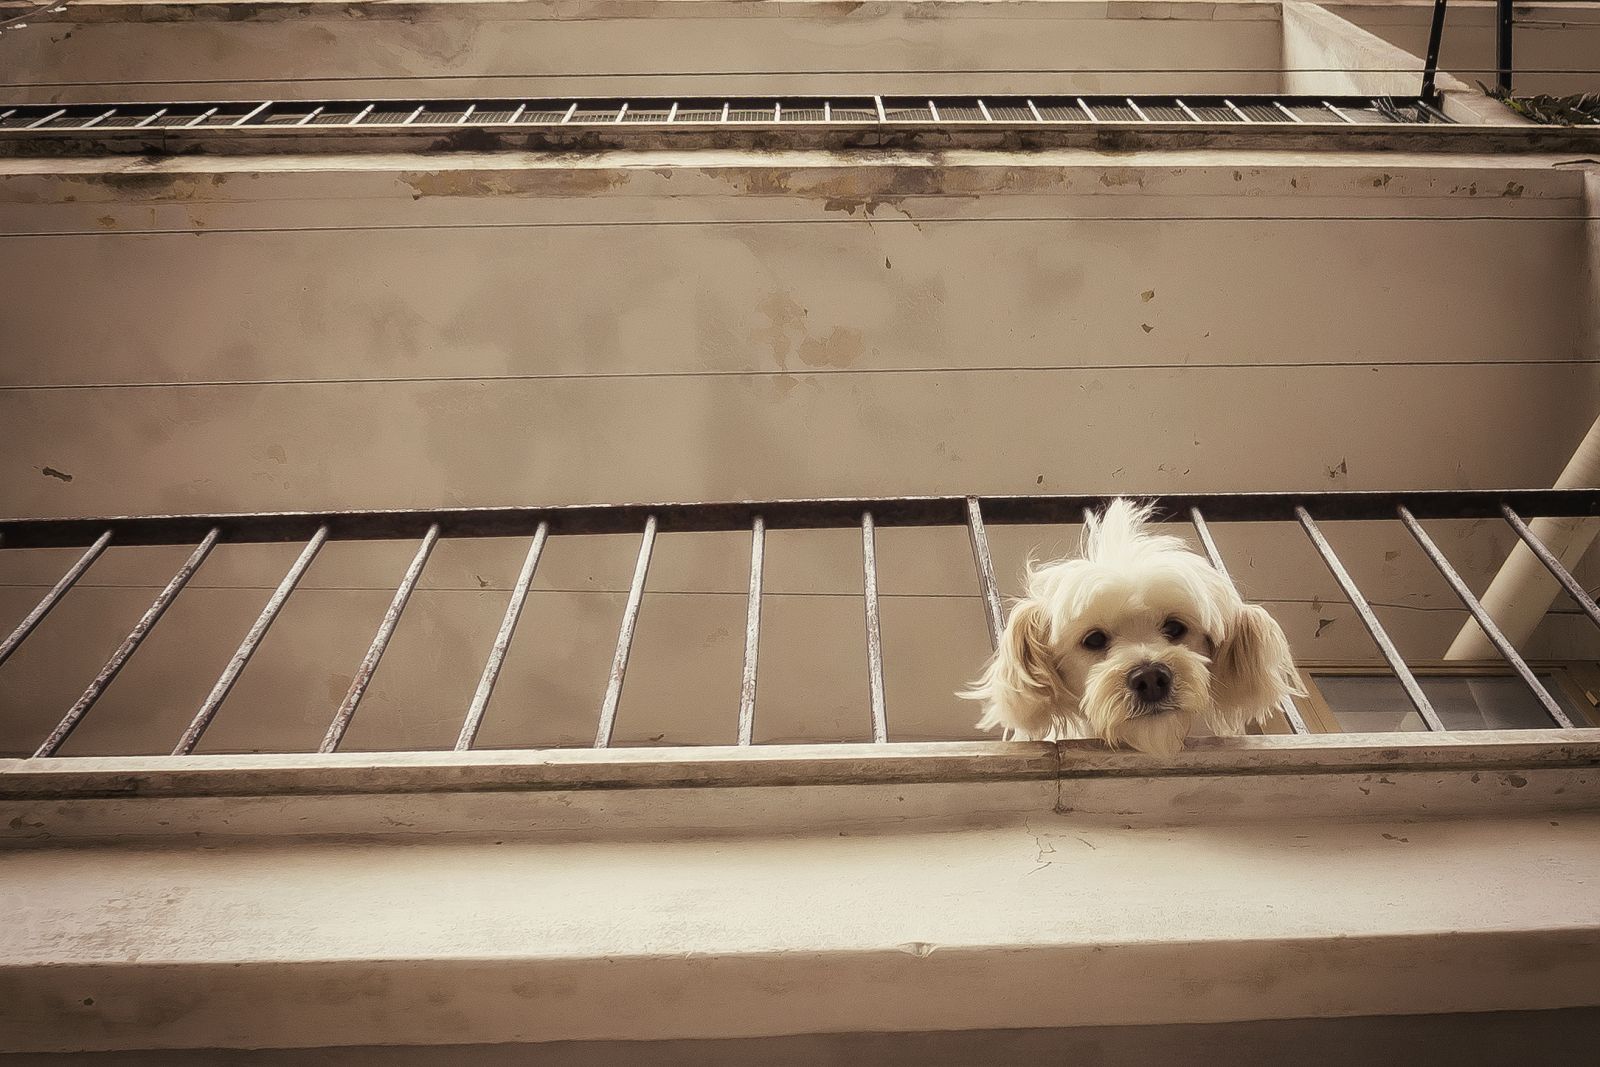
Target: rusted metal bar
[(835, 513), (130, 644), (502, 641), (1297, 724), (53, 597), (1485, 623), (1369, 619), (987, 586), (247, 648), (380, 642), (630, 619), (1574, 589), (752, 633), (869, 566)]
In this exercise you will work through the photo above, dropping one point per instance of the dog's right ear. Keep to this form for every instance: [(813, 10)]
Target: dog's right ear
[(1020, 688)]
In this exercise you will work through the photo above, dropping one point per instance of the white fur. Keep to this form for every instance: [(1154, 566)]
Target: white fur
[(1231, 669)]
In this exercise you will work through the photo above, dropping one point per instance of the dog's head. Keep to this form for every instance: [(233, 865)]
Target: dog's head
[(1135, 642)]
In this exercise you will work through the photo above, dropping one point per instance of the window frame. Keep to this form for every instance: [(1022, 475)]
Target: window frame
[(1578, 680)]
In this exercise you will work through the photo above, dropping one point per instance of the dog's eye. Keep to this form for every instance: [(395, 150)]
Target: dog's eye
[(1174, 630), (1095, 640)]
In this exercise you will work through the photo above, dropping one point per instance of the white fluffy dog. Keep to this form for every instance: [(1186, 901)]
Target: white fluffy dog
[(1136, 643)]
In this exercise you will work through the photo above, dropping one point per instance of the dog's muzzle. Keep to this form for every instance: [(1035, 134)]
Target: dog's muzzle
[(1151, 684)]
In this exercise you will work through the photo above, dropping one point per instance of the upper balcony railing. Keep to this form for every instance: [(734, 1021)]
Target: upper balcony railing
[(843, 121)]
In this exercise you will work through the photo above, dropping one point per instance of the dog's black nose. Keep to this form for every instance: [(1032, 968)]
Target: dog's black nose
[(1151, 682)]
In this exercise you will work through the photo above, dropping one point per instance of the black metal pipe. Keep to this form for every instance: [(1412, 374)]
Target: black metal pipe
[(1430, 65), (1505, 21)]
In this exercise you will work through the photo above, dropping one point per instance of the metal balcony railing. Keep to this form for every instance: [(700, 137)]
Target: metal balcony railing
[(381, 125), (1197, 110), (99, 536)]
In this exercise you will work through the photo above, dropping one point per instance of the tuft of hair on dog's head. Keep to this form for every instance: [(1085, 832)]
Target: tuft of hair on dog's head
[(1135, 641)]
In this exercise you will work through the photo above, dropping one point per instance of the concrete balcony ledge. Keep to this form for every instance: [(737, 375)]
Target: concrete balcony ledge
[(428, 898), (682, 792)]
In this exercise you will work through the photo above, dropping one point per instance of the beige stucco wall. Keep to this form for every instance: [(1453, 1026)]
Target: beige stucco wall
[(709, 47)]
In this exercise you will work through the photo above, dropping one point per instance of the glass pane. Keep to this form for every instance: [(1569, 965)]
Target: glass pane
[(1375, 703)]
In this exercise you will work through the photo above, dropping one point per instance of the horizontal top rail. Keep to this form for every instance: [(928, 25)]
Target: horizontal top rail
[(826, 513)]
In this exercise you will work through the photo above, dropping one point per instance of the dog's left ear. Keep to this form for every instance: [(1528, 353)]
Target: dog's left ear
[(1251, 672)]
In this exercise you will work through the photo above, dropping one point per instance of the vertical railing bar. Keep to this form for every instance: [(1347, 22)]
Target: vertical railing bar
[(247, 647), (672, 112), (1485, 623), (129, 646), (1242, 116), (1137, 110), (148, 119), (777, 111), (1203, 529), (98, 119), (466, 116), (1297, 724), (502, 641), (1292, 116), (1330, 106), (313, 113), (253, 112), (630, 618), (933, 109), (571, 111), (363, 113), (57, 113), (1087, 110), (983, 110), (380, 642), (622, 112), (987, 585), (59, 590), (1036, 116), (869, 566), (883, 116), (752, 632), (516, 116), (1369, 619), (1186, 109), (1575, 590)]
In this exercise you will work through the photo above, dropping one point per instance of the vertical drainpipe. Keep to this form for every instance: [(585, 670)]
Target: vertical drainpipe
[(1522, 592)]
